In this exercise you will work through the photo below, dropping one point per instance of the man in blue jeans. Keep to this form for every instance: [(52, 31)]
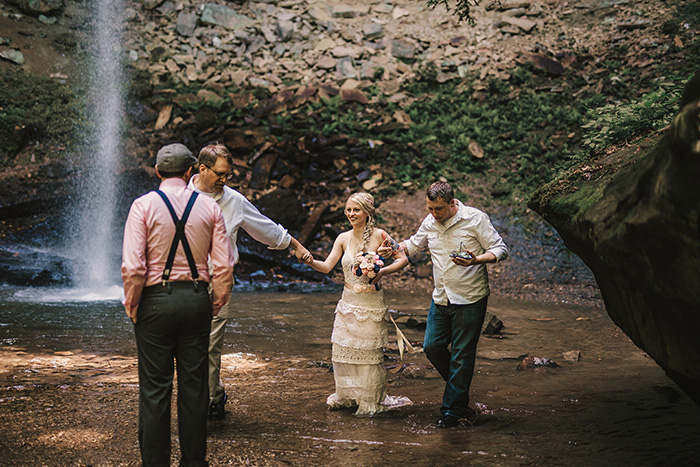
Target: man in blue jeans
[(461, 241)]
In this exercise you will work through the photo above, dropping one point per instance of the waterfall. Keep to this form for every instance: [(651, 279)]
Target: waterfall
[(95, 236)]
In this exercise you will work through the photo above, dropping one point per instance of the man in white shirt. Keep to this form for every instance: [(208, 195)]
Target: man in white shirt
[(215, 164), (461, 241)]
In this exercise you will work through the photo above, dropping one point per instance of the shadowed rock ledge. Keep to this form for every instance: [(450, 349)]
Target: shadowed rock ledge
[(635, 221)]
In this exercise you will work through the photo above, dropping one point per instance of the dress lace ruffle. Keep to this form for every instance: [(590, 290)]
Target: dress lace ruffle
[(356, 356), (359, 333)]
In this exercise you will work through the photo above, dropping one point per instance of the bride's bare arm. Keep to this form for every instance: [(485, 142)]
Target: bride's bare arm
[(400, 258), (332, 259)]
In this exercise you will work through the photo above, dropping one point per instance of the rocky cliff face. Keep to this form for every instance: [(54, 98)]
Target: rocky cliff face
[(638, 229)]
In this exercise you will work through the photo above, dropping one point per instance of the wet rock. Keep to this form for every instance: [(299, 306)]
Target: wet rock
[(572, 356), (346, 68), (269, 35), (346, 51), (354, 95), (493, 325), (499, 355), (244, 140), (36, 7), (313, 223), (14, 56), (524, 24), (47, 20), (347, 11), (283, 206), (383, 8), (320, 15), (632, 25), (372, 30), (402, 49), (416, 371), (326, 63), (186, 23), (219, 15), (512, 4), (547, 64), (262, 169), (152, 4), (530, 363), (285, 30), (475, 150)]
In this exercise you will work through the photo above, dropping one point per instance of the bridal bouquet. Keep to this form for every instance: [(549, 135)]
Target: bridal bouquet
[(367, 264)]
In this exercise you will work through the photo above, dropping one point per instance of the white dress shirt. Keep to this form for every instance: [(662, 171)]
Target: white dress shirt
[(454, 284), (240, 213)]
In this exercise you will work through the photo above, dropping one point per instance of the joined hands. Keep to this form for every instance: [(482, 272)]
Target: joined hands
[(389, 246)]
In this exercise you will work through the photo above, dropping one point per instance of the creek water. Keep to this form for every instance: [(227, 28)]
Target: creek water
[(614, 406)]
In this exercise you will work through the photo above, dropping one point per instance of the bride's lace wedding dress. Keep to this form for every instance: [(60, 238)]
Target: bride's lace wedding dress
[(359, 333)]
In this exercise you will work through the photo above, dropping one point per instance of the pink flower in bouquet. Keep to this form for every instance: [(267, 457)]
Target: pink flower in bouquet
[(367, 264)]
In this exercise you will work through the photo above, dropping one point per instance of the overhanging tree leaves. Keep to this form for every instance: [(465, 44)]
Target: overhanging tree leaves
[(462, 8)]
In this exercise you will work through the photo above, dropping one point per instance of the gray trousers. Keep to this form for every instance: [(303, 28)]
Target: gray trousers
[(173, 323)]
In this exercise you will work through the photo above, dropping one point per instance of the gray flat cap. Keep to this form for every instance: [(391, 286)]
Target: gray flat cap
[(175, 158)]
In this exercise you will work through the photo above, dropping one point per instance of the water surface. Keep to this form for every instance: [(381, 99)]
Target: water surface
[(614, 406)]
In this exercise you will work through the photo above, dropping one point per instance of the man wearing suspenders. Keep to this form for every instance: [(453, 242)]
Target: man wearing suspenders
[(169, 237)]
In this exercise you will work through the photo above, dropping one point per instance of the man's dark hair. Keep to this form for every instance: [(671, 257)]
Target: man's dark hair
[(441, 190)]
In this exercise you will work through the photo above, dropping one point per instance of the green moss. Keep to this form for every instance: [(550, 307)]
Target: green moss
[(36, 108), (579, 200)]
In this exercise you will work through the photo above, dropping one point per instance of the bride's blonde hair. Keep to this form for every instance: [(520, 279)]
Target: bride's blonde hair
[(366, 203)]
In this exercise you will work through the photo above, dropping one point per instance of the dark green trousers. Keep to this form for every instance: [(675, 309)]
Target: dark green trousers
[(173, 324)]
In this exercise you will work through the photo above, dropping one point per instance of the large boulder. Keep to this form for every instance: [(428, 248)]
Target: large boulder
[(635, 221)]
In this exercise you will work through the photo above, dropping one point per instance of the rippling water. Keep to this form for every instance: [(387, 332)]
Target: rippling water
[(613, 407)]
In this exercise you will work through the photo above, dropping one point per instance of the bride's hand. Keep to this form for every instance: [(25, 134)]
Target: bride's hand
[(389, 247), (376, 278), (307, 258)]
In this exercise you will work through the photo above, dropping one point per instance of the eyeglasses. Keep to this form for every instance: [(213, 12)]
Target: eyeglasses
[(225, 176)]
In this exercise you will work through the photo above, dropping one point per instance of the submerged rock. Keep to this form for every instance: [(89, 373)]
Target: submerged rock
[(529, 363)]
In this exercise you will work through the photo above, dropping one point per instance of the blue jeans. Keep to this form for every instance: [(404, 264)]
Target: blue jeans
[(459, 325)]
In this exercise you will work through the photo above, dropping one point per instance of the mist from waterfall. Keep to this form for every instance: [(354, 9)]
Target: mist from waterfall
[(96, 244)]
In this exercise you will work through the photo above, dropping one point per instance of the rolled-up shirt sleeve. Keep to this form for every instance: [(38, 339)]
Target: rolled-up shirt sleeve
[(263, 229), (221, 260), (418, 241), (134, 265), (490, 239)]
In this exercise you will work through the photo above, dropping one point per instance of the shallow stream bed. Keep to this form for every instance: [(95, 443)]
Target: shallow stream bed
[(69, 394)]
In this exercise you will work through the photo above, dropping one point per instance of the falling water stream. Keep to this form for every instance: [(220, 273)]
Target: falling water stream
[(95, 240)]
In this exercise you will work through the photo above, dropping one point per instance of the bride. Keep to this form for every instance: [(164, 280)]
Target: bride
[(360, 328)]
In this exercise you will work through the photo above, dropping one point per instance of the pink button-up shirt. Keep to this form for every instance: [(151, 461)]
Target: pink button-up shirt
[(149, 233)]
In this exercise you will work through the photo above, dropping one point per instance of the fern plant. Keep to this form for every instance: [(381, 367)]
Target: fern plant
[(614, 123)]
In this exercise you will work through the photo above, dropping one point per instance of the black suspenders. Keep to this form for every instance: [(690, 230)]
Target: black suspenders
[(180, 237)]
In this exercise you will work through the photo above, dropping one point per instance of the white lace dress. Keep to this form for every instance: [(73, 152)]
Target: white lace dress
[(359, 333)]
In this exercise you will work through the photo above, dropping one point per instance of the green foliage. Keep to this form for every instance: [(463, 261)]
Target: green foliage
[(35, 107), (614, 123), (524, 137), (427, 72)]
